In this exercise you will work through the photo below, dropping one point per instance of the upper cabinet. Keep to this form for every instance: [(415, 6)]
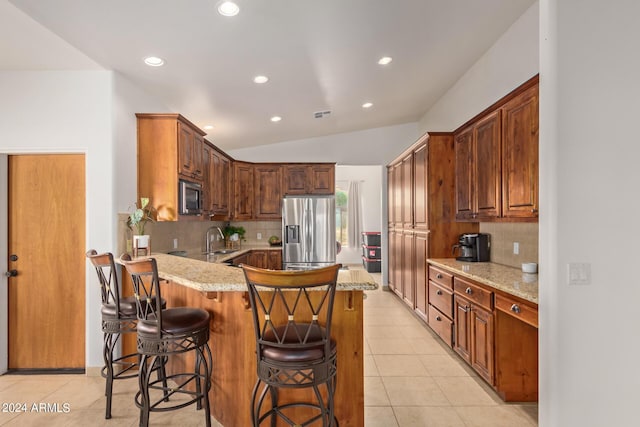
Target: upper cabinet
[(165, 145), (190, 151), (171, 148), (497, 160), (520, 156), (268, 190), (318, 178)]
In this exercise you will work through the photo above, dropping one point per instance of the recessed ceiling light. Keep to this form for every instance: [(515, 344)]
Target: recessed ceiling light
[(154, 61), (367, 105), (260, 79), (276, 119), (208, 127), (228, 8), (385, 60)]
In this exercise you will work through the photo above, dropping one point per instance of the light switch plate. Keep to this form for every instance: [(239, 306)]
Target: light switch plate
[(259, 236), (516, 248), (175, 243), (579, 273)]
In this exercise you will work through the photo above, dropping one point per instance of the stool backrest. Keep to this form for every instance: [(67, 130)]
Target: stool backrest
[(292, 309), (107, 277), (146, 289)]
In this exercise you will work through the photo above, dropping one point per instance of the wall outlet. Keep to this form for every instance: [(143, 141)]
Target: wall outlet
[(259, 236), (175, 243), (516, 248)]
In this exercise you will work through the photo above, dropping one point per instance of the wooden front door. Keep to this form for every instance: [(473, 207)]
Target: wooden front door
[(46, 248)]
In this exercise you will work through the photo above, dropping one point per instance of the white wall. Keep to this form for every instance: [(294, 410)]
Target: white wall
[(367, 147), (589, 94), (511, 61), (63, 112), (370, 178)]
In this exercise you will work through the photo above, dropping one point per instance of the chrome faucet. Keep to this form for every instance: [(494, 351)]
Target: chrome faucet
[(207, 238)]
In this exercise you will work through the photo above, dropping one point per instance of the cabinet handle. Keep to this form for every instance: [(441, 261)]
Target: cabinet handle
[(464, 308), (515, 308), (438, 318), (468, 291), (438, 292), (438, 276), (534, 210)]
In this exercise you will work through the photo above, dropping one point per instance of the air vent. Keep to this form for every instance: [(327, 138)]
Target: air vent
[(321, 114)]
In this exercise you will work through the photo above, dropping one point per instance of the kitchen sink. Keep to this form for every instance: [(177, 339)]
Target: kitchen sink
[(224, 251)]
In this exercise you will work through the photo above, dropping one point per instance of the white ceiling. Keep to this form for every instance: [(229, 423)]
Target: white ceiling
[(319, 55)]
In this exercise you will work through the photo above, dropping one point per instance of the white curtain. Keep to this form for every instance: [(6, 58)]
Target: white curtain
[(354, 215)]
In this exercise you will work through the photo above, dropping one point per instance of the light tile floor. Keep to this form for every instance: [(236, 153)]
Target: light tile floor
[(411, 379)]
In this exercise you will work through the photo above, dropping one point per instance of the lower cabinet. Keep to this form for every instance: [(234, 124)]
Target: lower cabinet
[(495, 333), (261, 258)]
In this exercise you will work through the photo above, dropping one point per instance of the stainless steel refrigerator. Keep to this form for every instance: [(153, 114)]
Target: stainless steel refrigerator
[(308, 232)]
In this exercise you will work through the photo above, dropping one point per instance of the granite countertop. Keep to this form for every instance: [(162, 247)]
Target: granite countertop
[(217, 277), (507, 279)]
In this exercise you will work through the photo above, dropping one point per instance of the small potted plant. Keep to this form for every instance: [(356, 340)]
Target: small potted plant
[(233, 235), (141, 215)]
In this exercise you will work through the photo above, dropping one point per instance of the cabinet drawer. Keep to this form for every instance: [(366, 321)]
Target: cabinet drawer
[(441, 298), (441, 325), (518, 310), (441, 277), (473, 293)]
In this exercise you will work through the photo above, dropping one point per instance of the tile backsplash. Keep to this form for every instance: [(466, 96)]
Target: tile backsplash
[(503, 235), (191, 234)]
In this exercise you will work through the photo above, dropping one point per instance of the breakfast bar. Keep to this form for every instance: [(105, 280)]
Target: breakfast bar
[(221, 290)]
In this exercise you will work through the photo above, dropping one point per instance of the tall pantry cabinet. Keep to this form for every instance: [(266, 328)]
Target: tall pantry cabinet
[(421, 215)]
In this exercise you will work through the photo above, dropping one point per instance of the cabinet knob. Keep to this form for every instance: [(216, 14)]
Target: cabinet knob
[(534, 210), (438, 292), (468, 291), (438, 276), (515, 308), (438, 318)]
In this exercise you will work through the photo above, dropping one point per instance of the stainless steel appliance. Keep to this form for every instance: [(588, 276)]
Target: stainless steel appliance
[(473, 247), (190, 194), (308, 232)]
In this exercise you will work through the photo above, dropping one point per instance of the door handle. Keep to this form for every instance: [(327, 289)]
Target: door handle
[(11, 273)]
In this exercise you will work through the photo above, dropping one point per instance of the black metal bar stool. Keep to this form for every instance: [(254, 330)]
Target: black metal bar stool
[(162, 333), (292, 313), (118, 317)]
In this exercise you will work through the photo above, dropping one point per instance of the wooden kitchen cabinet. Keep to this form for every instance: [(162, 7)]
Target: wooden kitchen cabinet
[(390, 197), (258, 258), (473, 325), (406, 188), (275, 259), (317, 178), (408, 283), (520, 156), (166, 143), (478, 170), (420, 187), (497, 160), (420, 249), (243, 191), (395, 260), (516, 349), (268, 191), (219, 184), (190, 151)]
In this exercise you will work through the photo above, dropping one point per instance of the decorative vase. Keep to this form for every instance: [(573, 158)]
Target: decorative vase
[(141, 245)]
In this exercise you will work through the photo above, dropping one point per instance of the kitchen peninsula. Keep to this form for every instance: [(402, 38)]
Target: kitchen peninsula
[(221, 290)]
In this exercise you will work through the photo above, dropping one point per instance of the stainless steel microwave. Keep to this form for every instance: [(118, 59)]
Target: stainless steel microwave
[(190, 198)]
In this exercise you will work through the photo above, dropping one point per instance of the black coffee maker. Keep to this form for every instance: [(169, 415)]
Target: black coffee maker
[(473, 247)]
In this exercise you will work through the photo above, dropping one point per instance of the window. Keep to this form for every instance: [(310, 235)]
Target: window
[(341, 213)]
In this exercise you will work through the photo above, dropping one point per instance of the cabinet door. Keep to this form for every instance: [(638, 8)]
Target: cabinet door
[(295, 179), (420, 265), (221, 183), (243, 194), (208, 180), (186, 162), (322, 179), (464, 174), (520, 156), (392, 260), (268, 191), (198, 156), (408, 284), (481, 336), (407, 191), (390, 196), (258, 259), (420, 187), (461, 327), (275, 259), (397, 254), (397, 194), (488, 167)]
